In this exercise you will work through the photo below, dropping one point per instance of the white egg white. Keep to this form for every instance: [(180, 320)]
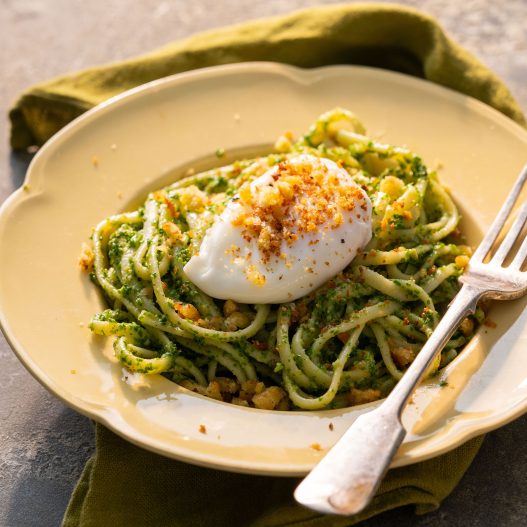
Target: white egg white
[(222, 273)]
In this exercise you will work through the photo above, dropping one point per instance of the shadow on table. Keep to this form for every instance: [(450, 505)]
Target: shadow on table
[(51, 471), (491, 493), (18, 164)]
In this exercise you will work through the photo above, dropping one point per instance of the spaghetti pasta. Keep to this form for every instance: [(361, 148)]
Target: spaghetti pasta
[(348, 342)]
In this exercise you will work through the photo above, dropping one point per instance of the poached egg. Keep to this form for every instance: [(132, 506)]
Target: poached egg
[(284, 234)]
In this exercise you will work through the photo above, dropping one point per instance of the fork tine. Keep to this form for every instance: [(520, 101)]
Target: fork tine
[(503, 214), (520, 257), (512, 235)]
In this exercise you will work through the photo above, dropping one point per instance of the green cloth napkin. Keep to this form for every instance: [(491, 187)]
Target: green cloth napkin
[(125, 485), (385, 36)]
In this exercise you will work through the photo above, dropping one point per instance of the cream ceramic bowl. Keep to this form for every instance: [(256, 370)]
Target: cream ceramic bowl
[(112, 156)]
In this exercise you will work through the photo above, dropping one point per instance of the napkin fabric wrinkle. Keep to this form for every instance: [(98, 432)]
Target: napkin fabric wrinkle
[(379, 35), (126, 485), (123, 484)]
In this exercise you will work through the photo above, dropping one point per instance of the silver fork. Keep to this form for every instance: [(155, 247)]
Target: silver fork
[(346, 479)]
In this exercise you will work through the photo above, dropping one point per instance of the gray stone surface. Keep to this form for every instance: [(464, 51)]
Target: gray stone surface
[(44, 444)]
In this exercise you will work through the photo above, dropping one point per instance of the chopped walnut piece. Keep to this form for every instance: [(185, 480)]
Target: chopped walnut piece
[(356, 396), (214, 391), (210, 323), (402, 356), (253, 386), (237, 320), (230, 307), (250, 388), (240, 402), (283, 405), (269, 398), (193, 386), (227, 385)]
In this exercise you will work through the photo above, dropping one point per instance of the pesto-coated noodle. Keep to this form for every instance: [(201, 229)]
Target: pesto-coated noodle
[(348, 342)]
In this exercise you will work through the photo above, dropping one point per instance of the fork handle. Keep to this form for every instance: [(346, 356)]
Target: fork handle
[(348, 476)]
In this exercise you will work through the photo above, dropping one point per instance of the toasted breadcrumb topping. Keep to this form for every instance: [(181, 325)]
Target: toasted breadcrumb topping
[(86, 258), (250, 393), (300, 198), (356, 396)]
